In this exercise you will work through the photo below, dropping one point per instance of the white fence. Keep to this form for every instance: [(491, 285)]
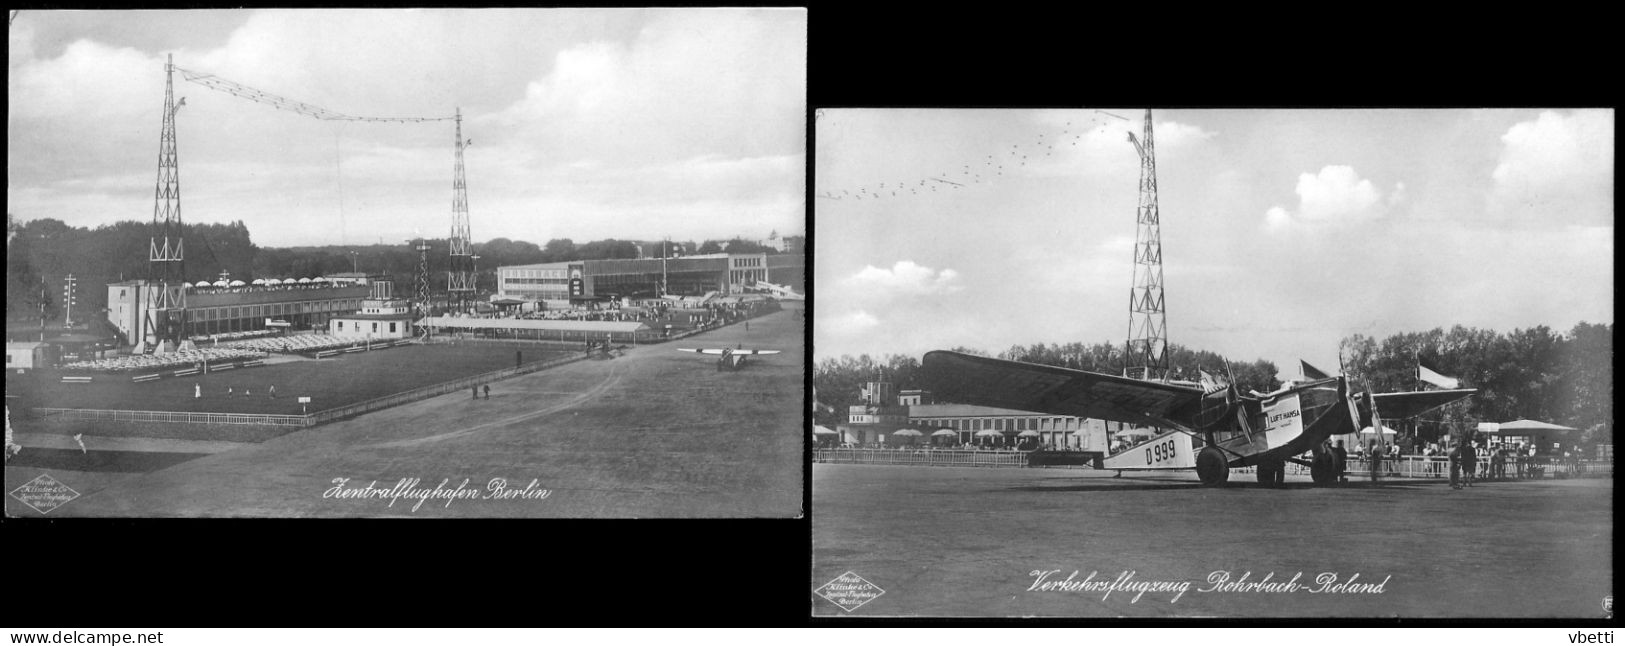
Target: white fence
[(1415, 466), (1404, 467), (171, 417), (923, 457)]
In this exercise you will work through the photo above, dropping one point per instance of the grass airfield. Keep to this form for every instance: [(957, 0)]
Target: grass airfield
[(978, 542), (653, 433)]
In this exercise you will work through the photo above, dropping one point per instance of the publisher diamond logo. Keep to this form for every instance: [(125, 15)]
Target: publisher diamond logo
[(44, 494), (849, 591)]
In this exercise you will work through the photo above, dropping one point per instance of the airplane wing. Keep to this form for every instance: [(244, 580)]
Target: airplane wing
[(732, 350), (969, 379), (757, 351), (1406, 405), (701, 350)]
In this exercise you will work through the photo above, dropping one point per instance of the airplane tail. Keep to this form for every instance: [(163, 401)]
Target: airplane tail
[(1167, 451)]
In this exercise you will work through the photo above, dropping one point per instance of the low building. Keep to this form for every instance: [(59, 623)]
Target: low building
[(345, 278), (877, 418), (563, 284), (23, 356), (382, 316)]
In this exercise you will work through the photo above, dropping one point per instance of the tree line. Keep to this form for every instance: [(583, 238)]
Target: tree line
[(41, 253), (1528, 373), (838, 379), (1533, 373)]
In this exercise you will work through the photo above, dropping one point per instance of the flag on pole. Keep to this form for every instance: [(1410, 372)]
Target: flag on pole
[(1429, 376), (1311, 372)]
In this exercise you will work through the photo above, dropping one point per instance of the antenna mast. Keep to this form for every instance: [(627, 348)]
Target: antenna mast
[(460, 279), (164, 322), (1148, 323)]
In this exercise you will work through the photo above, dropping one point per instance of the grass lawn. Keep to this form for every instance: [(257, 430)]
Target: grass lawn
[(114, 461), (330, 383)]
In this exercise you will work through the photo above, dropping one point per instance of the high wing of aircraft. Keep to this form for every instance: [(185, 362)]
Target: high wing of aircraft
[(1210, 430), (1406, 405), (985, 381), (730, 358)]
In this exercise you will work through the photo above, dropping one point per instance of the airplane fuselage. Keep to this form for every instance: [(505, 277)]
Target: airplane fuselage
[(1251, 430)]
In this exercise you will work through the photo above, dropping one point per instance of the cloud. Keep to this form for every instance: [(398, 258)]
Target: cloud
[(1557, 166), (1335, 195), (587, 123), (906, 277), (708, 82), (846, 325), (1173, 134)]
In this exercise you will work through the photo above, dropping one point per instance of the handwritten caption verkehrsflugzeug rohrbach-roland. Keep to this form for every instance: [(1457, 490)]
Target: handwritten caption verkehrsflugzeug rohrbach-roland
[(1129, 584)]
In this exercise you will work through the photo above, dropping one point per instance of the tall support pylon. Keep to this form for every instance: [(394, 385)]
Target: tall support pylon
[(1148, 322), (164, 321), (460, 277), (422, 247)]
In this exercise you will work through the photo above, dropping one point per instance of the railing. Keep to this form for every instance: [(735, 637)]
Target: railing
[(93, 415), (1417, 466), (925, 457), (1404, 467)]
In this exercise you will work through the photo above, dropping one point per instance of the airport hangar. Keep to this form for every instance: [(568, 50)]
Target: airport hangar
[(563, 284)]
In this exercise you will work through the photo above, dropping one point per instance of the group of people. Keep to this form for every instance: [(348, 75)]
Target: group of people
[(197, 391), (1478, 461), (1469, 460)]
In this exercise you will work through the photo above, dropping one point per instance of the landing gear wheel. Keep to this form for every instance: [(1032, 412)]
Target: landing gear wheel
[(1323, 469), (1211, 467)]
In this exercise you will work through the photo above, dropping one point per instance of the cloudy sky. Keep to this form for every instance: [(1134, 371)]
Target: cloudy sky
[(586, 124), (1283, 231)]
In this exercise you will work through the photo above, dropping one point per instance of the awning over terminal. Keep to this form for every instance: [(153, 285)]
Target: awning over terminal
[(545, 325)]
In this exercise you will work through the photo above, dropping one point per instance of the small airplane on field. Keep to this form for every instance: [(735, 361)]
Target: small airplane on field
[(779, 291), (731, 358), (1225, 429), (603, 350)]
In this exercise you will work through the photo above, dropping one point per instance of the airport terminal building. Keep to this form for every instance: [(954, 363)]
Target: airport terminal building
[(214, 310), (878, 418), (559, 284)]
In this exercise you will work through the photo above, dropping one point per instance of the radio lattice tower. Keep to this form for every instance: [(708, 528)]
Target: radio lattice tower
[(164, 323), (422, 247), (1148, 322), (460, 278)]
